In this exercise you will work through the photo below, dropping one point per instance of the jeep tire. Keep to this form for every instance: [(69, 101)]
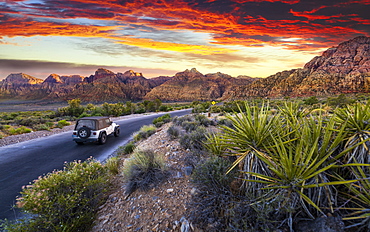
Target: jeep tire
[(116, 132), (103, 138), (84, 132)]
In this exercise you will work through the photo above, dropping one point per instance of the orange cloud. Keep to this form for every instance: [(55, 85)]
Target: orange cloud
[(27, 28), (236, 27), (177, 47)]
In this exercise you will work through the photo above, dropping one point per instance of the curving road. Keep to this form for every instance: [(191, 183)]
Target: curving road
[(21, 163)]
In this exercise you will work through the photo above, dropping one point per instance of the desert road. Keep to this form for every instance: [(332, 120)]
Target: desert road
[(21, 163)]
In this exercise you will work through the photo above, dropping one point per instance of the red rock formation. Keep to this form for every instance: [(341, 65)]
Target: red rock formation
[(341, 69), (192, 85)]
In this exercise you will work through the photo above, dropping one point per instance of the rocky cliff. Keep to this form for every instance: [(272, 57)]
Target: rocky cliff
[(341, 69)]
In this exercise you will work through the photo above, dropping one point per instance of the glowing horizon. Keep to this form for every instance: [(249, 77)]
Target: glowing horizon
[(240, 37)]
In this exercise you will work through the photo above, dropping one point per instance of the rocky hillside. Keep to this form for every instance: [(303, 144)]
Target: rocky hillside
[(192, 85), (104, 85), (341, 69)]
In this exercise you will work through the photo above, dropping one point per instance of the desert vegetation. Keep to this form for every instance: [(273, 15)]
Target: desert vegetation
[(293, 164), (64, 200), (12, 123), (257, 165)]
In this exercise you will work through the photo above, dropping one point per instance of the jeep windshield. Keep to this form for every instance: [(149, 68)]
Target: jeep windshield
[(85, 123)]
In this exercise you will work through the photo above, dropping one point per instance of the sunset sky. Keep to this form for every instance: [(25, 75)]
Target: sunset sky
[(161, 37)]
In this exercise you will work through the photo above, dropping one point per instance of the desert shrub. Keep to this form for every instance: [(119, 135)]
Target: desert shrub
[(140, 109), (19, 130), (311, 100), (49, 124), (211, 174), (203, 120), (39, 127), (144, 132), (144, 170), (84, 114), (30, 121), (218, 206), (74, 108), (199, 109), (225, 122), (63, 123), (164, 108), (340, 101), (128, 148), (158, 122), (65, 200), (215, 109), (190, 125), (173, 132), (194, 140), (112, 165)]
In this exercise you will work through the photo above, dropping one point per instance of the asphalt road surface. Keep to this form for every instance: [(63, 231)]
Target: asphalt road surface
[(21, 163)]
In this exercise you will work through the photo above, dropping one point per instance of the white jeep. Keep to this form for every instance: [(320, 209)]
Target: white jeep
[(94, 129)]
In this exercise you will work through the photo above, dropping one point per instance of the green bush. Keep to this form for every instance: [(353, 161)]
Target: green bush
[(112, 165), (158, 122), (74, 109), (144, 170), (144, 132), (65, 200), (128, 148), (19, 130), (63, 123), (164, 108)]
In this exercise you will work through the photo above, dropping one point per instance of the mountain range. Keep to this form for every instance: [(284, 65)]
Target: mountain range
[(341, 69)]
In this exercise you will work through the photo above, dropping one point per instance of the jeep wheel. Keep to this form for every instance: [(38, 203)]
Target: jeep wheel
[(103, 138), (84, 132), (116, 132)]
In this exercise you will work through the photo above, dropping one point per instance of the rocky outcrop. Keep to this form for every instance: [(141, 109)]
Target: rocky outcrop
[(192, 85), (20, 85), (341, 69)]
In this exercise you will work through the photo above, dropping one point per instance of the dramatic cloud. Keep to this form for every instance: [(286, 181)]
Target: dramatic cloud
[(196, 28)]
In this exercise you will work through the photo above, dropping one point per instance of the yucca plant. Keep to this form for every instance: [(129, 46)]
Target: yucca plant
[(357, 120), (358, 198), (252, 131), (214, 144), (292, 112), (299, 168)]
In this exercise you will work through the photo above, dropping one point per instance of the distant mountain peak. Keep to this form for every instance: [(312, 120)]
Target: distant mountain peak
[(22, 78), (53, 78), (131, 73)]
